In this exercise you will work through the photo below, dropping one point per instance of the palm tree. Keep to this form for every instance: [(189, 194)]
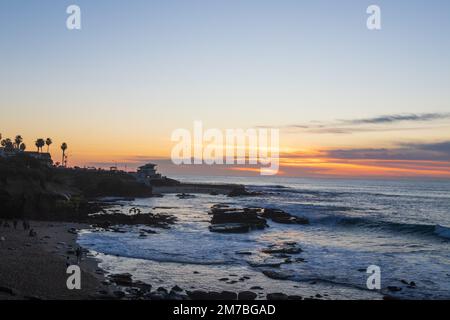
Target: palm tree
[(39, 144), (63, 148), (22, 147), (48, 142), (5, 142), (8, 145), (18, 140)]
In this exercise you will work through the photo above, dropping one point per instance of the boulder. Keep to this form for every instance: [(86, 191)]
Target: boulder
[(162, 290), (198, 295), (277, 296), (134, 291), (285, 248), (122, 279), (280, 216), (247, 295), (228, 220), (177, 289), (228, 295), (142, 285), (256, 288), (252, 219)]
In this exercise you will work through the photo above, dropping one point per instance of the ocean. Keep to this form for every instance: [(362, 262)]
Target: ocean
[(402, 226)]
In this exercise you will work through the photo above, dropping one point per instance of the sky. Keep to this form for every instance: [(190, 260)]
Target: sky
[(348, 101)]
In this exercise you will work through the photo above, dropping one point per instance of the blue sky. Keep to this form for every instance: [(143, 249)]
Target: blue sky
[(159, 65)]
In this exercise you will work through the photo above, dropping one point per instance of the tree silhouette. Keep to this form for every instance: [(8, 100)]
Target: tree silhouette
[(48, 142), (39, 144), (63, 148), (7, 144), (18, 140)]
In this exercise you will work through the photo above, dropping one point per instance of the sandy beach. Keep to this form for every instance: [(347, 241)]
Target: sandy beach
[(35, 267)]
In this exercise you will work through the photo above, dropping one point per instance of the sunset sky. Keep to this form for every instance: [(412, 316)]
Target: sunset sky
[(349, 102)]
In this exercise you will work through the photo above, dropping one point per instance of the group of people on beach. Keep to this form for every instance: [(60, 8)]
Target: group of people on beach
[(25, 225), (32, 233)]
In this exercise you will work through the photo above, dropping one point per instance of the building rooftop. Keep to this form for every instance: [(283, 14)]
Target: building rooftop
[(148, 166)]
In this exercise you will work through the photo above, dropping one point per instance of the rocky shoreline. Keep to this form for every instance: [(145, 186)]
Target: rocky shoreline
[(55, 242), (138, 290)]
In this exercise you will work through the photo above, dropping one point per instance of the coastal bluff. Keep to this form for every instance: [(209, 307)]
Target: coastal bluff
[(31, 189)]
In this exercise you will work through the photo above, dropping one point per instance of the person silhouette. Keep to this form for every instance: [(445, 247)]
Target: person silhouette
[(78, 253)]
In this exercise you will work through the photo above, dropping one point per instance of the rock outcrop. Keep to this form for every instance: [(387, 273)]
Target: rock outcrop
[(227, 219)]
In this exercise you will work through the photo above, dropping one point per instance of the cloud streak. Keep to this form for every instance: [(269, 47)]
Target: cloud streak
[(405, 151), (389, 119), (381, 123)]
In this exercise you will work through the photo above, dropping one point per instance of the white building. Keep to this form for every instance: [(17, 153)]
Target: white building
[(147, 174)]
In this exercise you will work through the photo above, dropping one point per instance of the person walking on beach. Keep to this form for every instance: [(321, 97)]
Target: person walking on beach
[(78, 253), (25, 225), (15, 224)]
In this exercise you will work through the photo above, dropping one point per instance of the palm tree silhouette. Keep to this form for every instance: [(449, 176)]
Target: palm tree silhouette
[(48, 142), (63, 148), (5, 141), (22, 147), (7, 144), (39, 144), (18, 140)]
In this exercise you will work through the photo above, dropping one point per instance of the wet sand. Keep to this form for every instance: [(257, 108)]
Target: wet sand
[(35, 267)]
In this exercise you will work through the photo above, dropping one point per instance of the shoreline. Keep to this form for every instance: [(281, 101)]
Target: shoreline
[(35, 267)]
